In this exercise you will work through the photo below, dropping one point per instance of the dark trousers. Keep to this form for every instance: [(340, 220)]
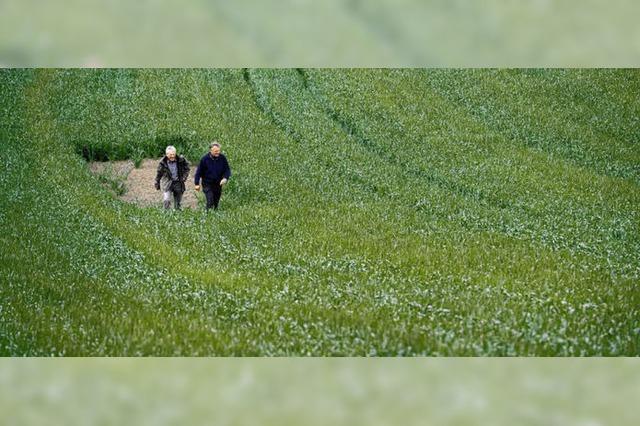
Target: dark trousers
[(213, 192), (176, 192)]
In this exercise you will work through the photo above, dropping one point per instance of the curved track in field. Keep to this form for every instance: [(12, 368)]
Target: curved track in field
[(370, 212)]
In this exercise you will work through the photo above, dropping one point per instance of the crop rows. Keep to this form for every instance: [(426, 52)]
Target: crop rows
[(371, 212)]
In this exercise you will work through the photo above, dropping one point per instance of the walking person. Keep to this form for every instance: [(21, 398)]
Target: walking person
[(173, 171), (215, 172)]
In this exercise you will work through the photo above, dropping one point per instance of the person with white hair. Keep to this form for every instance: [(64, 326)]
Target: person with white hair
[(173, 171)]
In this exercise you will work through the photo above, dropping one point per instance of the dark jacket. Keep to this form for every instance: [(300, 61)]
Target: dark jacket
[(212, 169), (163, 175)]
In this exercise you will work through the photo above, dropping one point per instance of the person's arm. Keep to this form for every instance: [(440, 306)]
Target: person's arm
[(196, 178), (158, 176), (199, 171), (227, 172)]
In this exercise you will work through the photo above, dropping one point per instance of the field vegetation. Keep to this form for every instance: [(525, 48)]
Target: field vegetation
[(370, 212)]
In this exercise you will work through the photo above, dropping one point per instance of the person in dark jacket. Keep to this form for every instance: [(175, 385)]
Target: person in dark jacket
[(215, 172), (173, 171)]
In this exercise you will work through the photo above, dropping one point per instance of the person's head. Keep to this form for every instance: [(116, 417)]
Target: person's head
[(214, 149), (171, 152)]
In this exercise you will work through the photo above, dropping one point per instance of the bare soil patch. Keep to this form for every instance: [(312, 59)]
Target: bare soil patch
[(137, 183)]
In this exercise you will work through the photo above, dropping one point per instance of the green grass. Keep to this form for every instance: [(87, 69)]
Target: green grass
[(371, 212)]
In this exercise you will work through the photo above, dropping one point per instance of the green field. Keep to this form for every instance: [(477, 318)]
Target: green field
[(371, 212)]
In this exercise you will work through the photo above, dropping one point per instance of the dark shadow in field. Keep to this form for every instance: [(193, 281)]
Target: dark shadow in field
[(118, 151)]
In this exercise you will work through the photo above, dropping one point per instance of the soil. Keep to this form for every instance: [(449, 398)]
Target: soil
[(139, 182)]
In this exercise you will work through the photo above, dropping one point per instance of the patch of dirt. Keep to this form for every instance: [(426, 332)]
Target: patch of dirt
[(138, 183)]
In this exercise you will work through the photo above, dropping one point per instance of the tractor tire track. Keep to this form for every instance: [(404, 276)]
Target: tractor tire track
[(417, 172)]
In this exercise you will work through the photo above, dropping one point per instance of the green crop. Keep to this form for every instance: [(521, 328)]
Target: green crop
[(370, 212)]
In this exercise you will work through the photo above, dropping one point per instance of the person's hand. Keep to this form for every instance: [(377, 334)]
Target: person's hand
[(197, 187), (223, 181), (157, 186)]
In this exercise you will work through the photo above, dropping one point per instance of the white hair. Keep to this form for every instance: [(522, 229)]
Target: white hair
[(170, 149)]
